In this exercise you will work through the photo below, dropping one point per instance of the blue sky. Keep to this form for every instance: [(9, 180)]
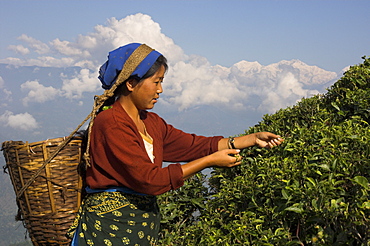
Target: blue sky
[(328, 34)]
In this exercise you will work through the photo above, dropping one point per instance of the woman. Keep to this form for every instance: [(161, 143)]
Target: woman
[(127, 148)]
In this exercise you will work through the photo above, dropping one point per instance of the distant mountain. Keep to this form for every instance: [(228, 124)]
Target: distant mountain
[(311, 76), (11, 231)]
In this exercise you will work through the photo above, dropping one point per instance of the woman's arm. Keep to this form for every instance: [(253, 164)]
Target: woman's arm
[(222, 158), (227, 156), (262, 139)]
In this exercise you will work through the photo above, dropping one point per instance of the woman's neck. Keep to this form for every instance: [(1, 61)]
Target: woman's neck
[(133, 112)]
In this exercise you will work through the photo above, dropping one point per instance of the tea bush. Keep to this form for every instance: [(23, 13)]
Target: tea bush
[(312, 190)]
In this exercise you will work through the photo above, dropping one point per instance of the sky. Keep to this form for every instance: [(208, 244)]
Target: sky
[(330, 34), (236, 55)]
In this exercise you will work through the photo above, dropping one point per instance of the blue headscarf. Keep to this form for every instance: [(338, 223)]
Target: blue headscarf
[(109, 71)]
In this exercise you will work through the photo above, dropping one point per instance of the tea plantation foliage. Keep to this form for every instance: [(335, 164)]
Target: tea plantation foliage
[(314, 189)]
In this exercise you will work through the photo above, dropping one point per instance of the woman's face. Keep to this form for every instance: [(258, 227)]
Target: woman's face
[(146, 93)]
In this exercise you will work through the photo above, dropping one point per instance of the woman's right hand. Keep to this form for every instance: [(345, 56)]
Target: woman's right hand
[(221, 158), (225, 158)]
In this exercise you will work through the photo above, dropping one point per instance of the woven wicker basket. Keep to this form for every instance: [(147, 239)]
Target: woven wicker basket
[(49, 204)]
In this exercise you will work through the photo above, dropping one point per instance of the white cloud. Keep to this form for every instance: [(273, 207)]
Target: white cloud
[(5, 94), (38, 92), (6, 97), (191, 80), (2, 83), (141, 28), (50, 61), (68, 48), (196, 83), (285, 92), (82, 82), (23, 121), (41, 61), (91, 50), (38, 46), (246, 85), (87, 42), (13, 61), (19, 49), (8, 94)]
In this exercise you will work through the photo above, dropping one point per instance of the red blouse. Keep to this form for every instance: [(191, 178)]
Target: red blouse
[(119, 158)]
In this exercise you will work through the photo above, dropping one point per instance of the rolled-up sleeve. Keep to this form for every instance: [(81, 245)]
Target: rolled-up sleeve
[(179, 146)]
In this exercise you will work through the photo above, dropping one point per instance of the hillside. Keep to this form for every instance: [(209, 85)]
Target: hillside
[(12, 232), (312, 190)]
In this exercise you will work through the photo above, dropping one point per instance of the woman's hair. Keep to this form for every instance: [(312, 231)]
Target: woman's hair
[(161, 61), (122, 88)]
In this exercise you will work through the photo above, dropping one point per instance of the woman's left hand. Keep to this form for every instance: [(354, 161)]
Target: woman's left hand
[(267, 139)]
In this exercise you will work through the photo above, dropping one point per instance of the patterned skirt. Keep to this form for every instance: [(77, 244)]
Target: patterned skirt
[(116, 218)]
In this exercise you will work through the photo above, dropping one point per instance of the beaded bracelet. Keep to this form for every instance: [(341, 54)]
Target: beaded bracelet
[(231, 142)]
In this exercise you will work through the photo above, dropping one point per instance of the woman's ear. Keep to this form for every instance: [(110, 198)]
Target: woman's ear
[(130, 84)]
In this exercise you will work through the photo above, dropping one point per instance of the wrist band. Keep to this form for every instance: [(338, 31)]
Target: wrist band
[(231, 143)]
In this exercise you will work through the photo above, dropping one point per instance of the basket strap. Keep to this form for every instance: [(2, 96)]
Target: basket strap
[(139, 54), (129, 67)]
